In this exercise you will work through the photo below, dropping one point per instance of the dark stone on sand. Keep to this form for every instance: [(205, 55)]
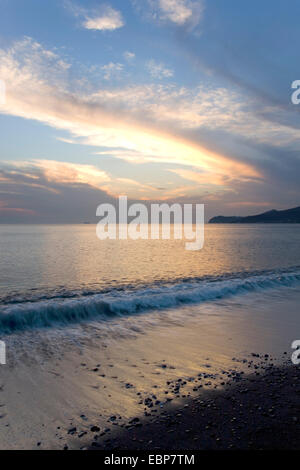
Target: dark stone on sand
[(72, 430), (95, 429), (134, 420)]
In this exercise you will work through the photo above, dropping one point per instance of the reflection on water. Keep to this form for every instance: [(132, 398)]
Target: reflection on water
[(50, 258)]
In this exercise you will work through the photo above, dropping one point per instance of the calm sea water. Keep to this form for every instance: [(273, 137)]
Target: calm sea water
[(53, 272)]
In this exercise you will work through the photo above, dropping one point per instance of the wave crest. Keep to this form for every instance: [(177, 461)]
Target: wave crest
[(60, 312)]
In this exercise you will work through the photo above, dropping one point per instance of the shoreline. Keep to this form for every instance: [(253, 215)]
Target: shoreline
[(113, 385)]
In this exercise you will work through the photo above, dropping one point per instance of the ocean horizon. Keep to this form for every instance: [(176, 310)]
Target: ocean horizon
[(54, 275)]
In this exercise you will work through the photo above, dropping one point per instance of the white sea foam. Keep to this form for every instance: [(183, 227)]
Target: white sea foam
[(59, 312)]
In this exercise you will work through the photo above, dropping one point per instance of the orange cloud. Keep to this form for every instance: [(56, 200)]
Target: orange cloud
[(16, 210), (103, 122), (63, 172), (249, 204)]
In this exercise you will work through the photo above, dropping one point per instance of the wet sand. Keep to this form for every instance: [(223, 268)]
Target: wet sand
[(209, 376), (256, 412)]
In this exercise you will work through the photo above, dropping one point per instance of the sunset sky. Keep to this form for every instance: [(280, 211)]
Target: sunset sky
[(179, 100)]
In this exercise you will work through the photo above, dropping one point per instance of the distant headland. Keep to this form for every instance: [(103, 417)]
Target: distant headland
[(289, 216)]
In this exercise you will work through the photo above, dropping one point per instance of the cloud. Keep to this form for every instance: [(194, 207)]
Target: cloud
[(55, 191), (103, 18), (204, 178), (132, 189), (123, 121), (112, 70), (108, 20), (52, 171), (213, 133), (249, 204), (158, 70), (71, 173), (13, 211), (175, 10), (52, 176), (179, 12), (129, 56), (50, 191)]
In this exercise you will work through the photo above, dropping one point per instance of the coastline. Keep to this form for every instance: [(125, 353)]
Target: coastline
[(62, 388)]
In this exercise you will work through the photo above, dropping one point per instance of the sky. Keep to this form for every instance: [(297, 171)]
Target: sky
[(159, 100)]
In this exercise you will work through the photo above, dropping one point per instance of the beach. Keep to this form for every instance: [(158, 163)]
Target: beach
[(169, 379), (149, 228)]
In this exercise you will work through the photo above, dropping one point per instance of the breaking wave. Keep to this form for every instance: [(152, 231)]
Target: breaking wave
[(102, 306)]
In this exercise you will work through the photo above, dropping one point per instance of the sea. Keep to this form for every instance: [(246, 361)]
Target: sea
[(63, 275)]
